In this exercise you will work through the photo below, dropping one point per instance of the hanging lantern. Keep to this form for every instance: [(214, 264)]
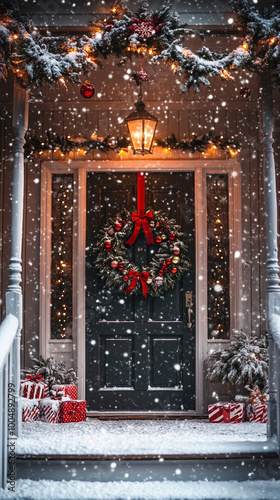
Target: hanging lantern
[(141, 126)]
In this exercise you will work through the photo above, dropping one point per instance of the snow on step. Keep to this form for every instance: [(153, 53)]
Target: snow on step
[(149, 490), (139, 437)]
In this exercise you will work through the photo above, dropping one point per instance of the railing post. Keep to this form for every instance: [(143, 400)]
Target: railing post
[(14, 289), (273, 289)]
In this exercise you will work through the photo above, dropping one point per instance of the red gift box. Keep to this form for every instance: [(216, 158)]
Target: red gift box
[(49, 410), (30, 410), (226, 412), (64, 390), (33, 387), (258, 413), (72, 411)]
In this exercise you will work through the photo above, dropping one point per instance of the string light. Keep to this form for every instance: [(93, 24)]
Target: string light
[(62, 229), (218, 249)]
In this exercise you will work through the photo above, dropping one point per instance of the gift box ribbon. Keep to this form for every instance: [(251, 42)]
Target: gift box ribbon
[(143, 278)]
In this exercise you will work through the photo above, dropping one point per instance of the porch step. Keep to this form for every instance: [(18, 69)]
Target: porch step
[(148, 490), (188, 467)]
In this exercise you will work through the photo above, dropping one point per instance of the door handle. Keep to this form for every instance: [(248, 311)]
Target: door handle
[(189, 305)]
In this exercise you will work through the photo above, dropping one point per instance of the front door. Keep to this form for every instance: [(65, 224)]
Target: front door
[(140, 352)]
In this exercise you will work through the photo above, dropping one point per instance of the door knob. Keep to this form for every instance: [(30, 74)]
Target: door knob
[(189, 305)]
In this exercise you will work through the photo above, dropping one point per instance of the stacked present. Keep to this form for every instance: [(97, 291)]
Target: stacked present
[(226, 412), (257, 409), (61, 406)]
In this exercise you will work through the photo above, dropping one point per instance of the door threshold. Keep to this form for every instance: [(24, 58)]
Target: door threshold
[(145, 415)]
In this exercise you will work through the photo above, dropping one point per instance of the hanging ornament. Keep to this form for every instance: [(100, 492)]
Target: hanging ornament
[(87, 90), (176, 260), (107, 244), (245, 92), (118, 226), (140, 76), (174, 270), (168, 261), (158, 239), (121, 267), (176, 251), (125, 279), (114, 264), (172, 236)]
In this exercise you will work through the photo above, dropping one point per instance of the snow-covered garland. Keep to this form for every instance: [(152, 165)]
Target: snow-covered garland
[(65, 144), (168, 264), (35, 59)]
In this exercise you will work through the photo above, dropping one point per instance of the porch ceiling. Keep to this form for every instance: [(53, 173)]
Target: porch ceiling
[(192, 12)]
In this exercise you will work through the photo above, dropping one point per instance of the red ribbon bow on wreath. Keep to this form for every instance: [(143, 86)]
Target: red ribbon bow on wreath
[(35, 378), (141, 218), (143, 278)]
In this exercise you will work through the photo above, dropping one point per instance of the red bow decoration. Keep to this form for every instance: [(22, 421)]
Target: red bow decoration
[(141, 218), (35, 378), (143, 278)]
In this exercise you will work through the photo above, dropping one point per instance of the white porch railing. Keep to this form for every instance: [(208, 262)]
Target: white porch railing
[(8, 390)]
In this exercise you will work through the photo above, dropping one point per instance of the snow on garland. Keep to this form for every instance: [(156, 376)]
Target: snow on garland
[(35, 59), (65, 144), (169, 260)]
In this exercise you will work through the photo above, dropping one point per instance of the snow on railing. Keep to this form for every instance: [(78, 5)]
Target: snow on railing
[(8, 331)]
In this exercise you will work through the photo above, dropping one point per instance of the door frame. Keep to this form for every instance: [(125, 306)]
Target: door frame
[(75, 348)]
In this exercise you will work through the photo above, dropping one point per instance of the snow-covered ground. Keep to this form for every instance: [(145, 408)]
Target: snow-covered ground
[(140, 437), (149, 490)]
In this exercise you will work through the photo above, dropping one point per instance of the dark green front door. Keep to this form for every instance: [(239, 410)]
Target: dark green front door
[(140, 352)]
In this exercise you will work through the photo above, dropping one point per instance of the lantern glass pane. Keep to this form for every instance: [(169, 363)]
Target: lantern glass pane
[(135, 131), (149, 129)]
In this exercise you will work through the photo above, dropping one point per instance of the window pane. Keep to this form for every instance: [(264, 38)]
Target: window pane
[(218, 257), (62, 256)]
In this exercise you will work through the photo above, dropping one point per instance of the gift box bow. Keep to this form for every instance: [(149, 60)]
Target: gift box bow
[(35, 378)]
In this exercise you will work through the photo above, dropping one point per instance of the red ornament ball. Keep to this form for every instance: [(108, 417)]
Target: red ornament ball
[(158, 239), (164, 265), (168, 261), (174, 270), (118, 226), (125, 278), (114, 264), (172, 236), (107, 244), (121, 267), (176, 250), (87, 90), (245, 92)]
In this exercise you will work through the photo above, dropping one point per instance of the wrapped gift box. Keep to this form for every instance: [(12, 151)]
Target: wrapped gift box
[(72, 411), (256, 397), (33, 387), (49, 410), (226, 412), (64, 390), (258, 413), (30, 409)]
